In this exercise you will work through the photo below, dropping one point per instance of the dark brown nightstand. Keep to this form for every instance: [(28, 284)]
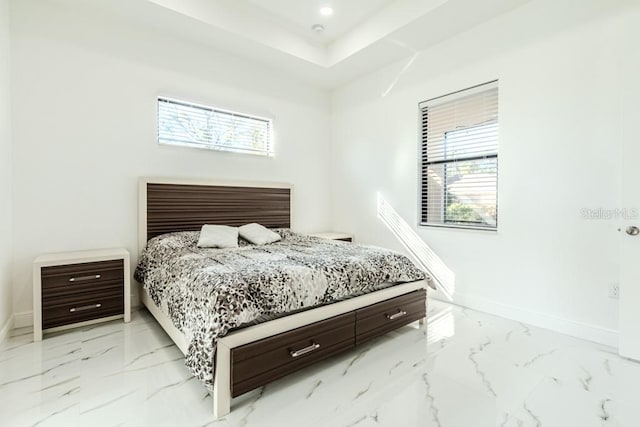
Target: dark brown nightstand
[(79, 288)]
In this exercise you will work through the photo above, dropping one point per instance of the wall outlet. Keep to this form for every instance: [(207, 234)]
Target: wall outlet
[(614, 291)]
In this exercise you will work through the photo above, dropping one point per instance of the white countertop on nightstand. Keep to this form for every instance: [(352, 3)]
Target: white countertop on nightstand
[(332, 235), (81, 256)]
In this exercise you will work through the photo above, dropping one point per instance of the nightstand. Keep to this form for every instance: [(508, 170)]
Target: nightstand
[(73, 289), (345, 237)]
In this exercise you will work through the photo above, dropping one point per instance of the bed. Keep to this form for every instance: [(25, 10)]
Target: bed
[(336, 296)]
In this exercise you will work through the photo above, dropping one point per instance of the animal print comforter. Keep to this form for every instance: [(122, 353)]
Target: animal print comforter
[(209, 292)]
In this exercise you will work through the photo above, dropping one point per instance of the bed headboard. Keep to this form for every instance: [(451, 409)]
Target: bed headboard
[(168, 205)]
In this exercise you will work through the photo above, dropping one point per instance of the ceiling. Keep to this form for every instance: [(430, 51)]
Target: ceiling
[(360, 36), (301, 15)]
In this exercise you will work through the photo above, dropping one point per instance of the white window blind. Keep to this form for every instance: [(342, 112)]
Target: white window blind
[(187, 124), (459, 159)]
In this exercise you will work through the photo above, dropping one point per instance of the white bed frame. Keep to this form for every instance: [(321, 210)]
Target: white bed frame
[(222, 380)]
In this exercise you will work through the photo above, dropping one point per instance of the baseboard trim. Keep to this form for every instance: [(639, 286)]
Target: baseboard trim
[(23, 320), (6, 329), (573, 328)]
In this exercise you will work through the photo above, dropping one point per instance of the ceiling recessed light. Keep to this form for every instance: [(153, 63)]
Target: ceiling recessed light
[(326, 11)]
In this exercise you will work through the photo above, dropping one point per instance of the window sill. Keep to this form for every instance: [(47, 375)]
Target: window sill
[(459, 227)]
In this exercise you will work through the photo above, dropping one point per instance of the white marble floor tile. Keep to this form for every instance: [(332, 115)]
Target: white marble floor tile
[(466, 369)]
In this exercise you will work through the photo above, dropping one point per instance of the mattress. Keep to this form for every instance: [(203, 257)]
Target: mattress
[(208, 293)]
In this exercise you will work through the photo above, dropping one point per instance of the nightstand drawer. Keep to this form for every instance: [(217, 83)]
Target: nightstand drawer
[(81, 307), (81, 277), (70, 290)]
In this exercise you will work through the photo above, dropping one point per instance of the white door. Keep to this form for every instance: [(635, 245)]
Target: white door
[(629, 87)]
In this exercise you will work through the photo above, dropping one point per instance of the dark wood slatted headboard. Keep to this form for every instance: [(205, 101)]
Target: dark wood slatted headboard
[(168, 206)]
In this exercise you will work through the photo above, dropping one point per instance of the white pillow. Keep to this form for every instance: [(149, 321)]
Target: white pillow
[(218, 236), (258, 234)]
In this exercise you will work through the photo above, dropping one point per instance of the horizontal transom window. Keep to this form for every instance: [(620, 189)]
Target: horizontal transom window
[(459, 158), (192, 125)]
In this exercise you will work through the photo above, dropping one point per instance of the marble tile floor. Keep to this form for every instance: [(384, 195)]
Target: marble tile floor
[(466, 369)]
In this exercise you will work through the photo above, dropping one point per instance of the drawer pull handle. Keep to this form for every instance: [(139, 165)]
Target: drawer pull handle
[(82, 278), (84, 307), (397, 315), (305, 350)]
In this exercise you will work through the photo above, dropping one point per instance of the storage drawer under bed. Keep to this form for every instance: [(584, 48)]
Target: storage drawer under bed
[(385, 316), (260, 362)]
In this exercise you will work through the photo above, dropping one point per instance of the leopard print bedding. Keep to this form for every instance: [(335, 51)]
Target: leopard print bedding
[(209, 292)]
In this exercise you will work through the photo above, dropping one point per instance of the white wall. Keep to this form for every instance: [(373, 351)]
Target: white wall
[(5, 172), (84, 122), (559, 148), (83, 116)]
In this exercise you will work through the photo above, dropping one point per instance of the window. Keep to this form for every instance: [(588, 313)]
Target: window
[(192, 125), (459, 159)]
